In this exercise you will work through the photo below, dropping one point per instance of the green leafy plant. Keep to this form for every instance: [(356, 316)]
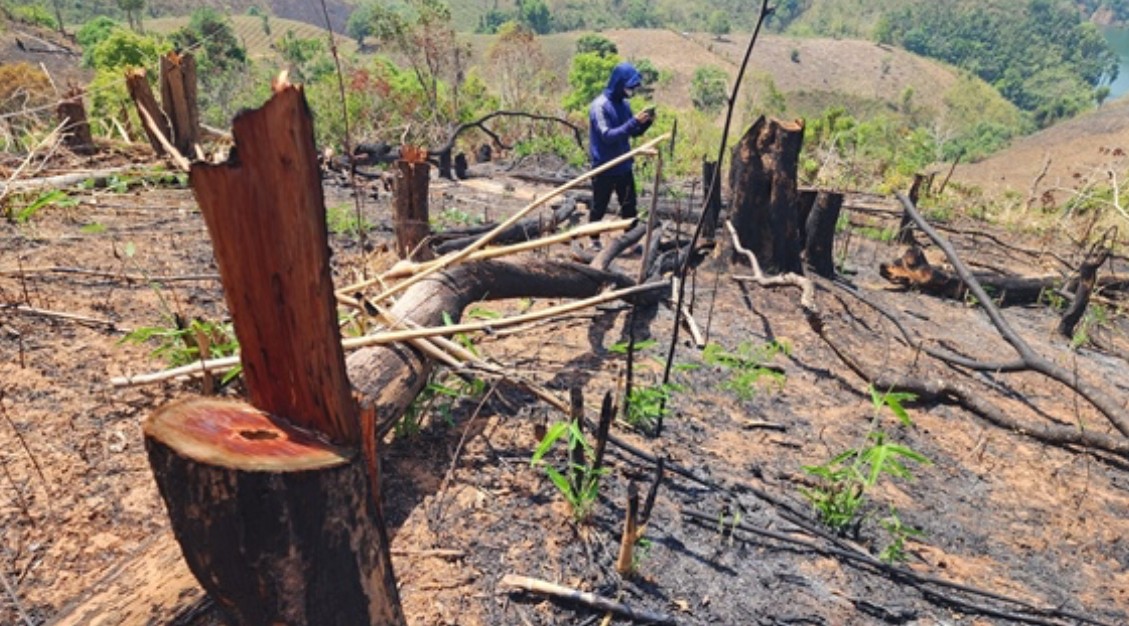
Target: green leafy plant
[(646, 404), (581, 487), (895, 551), (453, 217), (746, 366), (848, 476), (179, 341), (342, 219), (21, 214), (622, 346)]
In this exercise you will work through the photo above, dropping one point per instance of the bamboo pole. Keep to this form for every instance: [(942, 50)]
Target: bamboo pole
[(226, 363)]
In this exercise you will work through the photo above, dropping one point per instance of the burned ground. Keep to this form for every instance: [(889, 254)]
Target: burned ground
[(998, 511)]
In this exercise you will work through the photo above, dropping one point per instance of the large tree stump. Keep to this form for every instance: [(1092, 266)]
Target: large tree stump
[(142, 95), (277, 526), (765, 196), (274, 507), (178, 98), (76, 129), (411, 220)]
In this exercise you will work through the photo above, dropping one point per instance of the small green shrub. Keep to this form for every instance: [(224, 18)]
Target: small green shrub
[(746, 366), (582, 485), (847, 476)]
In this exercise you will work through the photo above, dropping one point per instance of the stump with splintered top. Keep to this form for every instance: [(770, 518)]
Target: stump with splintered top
[(273, 504), (412, 221)]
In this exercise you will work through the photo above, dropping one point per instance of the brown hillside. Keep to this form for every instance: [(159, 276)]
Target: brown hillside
[(826, 72), (298, 10), (1080, 150)]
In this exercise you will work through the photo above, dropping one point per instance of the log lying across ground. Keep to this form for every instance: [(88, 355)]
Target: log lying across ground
[(913, 270)]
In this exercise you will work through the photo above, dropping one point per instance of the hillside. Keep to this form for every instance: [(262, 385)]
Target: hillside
[(249, 30), (1080, 150), (861, 76)]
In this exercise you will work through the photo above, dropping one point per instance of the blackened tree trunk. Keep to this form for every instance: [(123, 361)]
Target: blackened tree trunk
[(711, 188), (819, 233), (72, 114), (765, 195)]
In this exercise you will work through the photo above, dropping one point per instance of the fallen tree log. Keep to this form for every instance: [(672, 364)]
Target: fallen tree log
[(388, 378), (1113, 409), (914, 271)]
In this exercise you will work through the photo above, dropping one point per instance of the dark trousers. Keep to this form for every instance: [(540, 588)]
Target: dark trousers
[(602, 187)]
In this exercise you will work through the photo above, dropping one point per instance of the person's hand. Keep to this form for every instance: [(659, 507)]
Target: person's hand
[(645, 116)]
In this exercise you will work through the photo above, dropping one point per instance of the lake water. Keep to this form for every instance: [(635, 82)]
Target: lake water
[(1119, 39)]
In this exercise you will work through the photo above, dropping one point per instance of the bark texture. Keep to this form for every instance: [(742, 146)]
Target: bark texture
[(178, 97), (276, 525), (765, 194), (266, 215), (146, 102), (412, 220)]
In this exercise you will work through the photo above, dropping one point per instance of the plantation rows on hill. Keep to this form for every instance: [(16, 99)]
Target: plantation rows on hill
[(252, 34)]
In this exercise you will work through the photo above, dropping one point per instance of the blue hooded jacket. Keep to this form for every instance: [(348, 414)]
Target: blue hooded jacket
[(611, 124)]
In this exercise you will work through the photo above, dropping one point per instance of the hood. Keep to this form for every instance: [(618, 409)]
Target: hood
[(624, 75)]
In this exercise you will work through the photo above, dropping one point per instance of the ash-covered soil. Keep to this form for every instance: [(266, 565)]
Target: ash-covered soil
[(1037, 531)]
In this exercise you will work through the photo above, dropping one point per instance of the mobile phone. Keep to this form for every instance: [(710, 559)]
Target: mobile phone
[(650, 110)]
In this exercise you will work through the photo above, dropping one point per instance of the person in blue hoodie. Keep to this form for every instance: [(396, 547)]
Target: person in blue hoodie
[(611, 127)]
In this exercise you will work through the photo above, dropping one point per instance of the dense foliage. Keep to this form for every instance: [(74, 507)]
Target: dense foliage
[(1044, 59)]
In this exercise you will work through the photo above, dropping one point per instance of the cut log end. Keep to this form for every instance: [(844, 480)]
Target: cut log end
[(238, 436)]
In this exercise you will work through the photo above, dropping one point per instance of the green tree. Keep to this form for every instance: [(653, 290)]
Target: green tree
[(93, 33), (1101, 94), (535, 15), (306, 55), (211, 37), (587, 77), (518, 62), (719, 25), (641, 14), (707, 89), (123, 48), (133, 10), (421, 32), (598, 44), (490, 21), (647, 70), (360, 22)]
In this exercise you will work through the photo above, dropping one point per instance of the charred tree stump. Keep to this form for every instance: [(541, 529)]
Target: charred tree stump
[(1087, 278), (711, 187), (276, 525), (765, 194), (178, 97), (905, 228), (411, 220), (142, 95), (72, 114), (819, 233), (461, 166), (273, 505), (445, 164)]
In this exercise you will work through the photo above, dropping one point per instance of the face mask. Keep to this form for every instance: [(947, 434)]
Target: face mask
[(628, 91)]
